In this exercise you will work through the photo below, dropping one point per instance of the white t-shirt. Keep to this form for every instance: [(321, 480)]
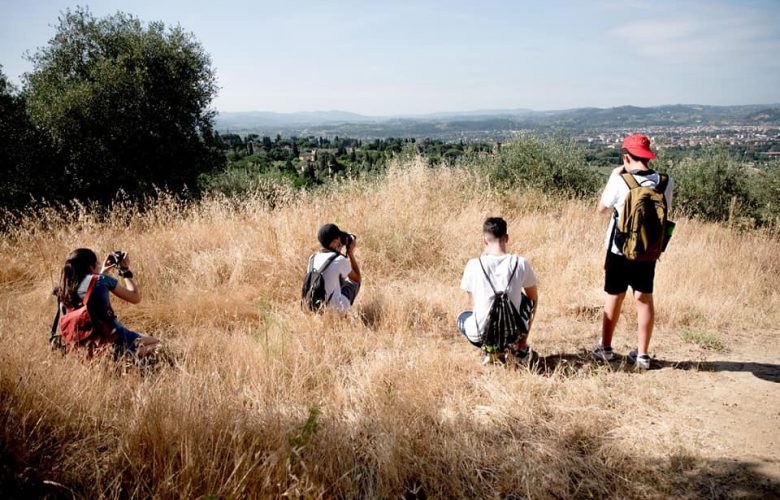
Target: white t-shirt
[(339, 268), (614, 196), (498, 267)]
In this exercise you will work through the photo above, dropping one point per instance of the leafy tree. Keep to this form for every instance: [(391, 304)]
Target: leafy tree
[(125, 104), (26, 166), (232, 141)]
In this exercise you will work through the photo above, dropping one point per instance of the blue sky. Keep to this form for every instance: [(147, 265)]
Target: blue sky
[(401, 57)]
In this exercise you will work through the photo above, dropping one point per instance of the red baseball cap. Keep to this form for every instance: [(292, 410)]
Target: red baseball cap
[(639, 146)]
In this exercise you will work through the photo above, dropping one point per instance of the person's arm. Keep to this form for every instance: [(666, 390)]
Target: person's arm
[(533, 294), (606, 202), (603, 209), (467, 286), (129, 291), (354, 275)]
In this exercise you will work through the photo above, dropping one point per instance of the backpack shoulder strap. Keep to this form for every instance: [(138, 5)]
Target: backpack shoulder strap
[(56, 321), (329, 262), (91, 287), (310, 265), (486, 275), (662, 183), (509, 281), (87, 294), (630, 181)]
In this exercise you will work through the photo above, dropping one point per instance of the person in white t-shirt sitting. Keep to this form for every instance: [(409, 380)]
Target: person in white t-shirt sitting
[(342, 275), (501, 267)]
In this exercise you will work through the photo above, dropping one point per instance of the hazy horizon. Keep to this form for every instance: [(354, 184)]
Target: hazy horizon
[(432, 56), (495, 110)]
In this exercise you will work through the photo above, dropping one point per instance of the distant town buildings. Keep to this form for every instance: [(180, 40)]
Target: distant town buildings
[(687, 136)]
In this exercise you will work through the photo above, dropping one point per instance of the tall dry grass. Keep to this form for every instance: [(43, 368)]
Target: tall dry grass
[(266, 400)]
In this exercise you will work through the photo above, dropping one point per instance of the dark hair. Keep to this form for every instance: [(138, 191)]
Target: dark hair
[(77, 266), (634, 157), (494, 226)]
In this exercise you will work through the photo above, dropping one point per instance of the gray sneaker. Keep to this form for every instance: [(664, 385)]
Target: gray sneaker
[(642, 362), (523, 357), (602, 353)]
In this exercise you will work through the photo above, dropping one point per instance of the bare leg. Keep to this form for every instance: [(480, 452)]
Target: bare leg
[(609, 317), (645, 312)]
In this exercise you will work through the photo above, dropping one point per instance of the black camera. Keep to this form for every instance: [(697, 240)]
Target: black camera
[(116, 258), (347, 239)]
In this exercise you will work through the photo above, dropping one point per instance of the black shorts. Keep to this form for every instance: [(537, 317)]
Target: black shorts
[(620, 273), (350, 289)]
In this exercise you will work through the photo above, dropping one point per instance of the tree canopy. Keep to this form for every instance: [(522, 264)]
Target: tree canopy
[(25, 156), (124, 104)]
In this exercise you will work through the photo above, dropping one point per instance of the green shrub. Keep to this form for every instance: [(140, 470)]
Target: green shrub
[(764, 184), (705, 340), (711, 187), (273, 187), (550, 165)]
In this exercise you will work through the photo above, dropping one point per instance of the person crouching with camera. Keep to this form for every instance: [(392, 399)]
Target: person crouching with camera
[(333, 279), (81, 282)]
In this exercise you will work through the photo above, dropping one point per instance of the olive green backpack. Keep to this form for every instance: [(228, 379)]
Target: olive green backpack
[(641, 228)]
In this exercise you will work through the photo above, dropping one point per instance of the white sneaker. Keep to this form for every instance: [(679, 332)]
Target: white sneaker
[(602, 353), (640, 361)]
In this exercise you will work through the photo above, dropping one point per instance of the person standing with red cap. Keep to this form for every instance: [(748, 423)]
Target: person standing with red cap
[(620, 272)]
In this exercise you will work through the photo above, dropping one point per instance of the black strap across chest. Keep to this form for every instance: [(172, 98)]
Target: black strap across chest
[(508, 283), (325, 265)]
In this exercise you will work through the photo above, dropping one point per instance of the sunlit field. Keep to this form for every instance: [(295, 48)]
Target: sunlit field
[(263, 399)]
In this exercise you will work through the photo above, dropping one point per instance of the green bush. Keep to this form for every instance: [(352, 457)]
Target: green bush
[(273, 187), (711, 187), (550, 165), (764, 183), (717, 186)]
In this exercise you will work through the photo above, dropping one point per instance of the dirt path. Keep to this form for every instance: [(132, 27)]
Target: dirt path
[(729, 406)]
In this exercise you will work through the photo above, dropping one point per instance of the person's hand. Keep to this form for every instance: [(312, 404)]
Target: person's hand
[(106, 264), (619, 170), (125, 264), (351, 246)]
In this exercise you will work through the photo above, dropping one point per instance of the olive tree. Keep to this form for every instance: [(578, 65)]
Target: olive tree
[(125, 104)]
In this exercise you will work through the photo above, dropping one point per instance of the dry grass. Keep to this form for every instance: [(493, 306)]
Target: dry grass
[(266, 400)]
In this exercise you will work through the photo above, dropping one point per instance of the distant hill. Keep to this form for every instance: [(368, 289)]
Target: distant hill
[(263, 119), (493, 123)]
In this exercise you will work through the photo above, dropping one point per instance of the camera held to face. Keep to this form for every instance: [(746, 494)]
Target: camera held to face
[(347, 239), (116, 258)]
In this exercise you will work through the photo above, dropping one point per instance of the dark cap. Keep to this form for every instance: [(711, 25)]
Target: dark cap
[(328, 233)]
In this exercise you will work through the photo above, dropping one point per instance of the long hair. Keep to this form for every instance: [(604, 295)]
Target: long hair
[(78, 265)]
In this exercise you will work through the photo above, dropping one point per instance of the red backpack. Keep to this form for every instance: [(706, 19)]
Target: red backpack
[(80, 331)]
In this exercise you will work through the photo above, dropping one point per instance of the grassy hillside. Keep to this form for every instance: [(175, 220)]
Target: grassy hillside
[(389, 401)]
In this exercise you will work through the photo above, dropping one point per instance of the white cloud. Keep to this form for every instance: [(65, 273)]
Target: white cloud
[(715, 35)]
